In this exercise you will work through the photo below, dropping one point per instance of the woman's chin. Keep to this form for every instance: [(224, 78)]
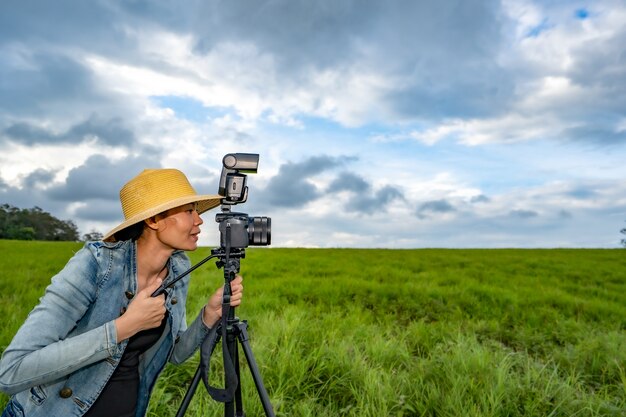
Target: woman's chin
[(193, 243)]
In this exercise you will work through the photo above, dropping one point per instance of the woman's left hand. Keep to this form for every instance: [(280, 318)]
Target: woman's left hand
[(213, 309)]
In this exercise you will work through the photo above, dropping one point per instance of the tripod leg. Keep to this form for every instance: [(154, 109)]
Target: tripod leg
[(254, 369), (194, 385), (238, 401), (190, 393), (229, 407), (233, 349)]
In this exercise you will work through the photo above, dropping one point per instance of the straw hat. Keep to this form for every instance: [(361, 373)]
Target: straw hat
[(154, 191)]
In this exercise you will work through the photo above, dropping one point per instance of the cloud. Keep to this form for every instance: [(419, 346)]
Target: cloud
[(39, 178), (371, 71), (378, 202), (43, 83), (306, 29), (363, 199), (563, 83), (582, 193), (348, 181), (107, 132), (480, 199), (59, 22), (565, 214), (463, 75), (90, 192), (523, 214), (99, 178), (30, 197), (108, 211), (592, 133), (292, 187), (434, 207)]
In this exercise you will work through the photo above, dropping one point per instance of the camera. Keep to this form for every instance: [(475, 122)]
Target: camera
[(238, 230)]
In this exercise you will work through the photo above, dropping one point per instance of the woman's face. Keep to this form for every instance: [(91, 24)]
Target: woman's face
[(179, 227)]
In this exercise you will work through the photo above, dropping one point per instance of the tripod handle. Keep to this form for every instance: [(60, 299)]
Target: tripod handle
[(159, 291), (165, 285)]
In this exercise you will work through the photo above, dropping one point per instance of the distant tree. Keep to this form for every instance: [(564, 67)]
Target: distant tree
[(34, 224), (22, 233), (623, 231), (93, 235)]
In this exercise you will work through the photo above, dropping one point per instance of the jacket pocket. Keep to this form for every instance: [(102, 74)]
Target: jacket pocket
[(13, 409), (38, 395)]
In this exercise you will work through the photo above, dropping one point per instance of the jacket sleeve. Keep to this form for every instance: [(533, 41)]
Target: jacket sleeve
[(190, 340), (41, 350)]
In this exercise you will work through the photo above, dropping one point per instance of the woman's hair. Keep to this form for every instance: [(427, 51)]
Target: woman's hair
[(132, 232)]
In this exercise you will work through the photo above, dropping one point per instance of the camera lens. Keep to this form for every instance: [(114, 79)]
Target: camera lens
[(259, 231)]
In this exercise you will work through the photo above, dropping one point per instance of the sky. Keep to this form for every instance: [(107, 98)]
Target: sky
[(379, 124)]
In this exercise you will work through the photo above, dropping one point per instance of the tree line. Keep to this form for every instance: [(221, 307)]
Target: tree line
[(34, 224)]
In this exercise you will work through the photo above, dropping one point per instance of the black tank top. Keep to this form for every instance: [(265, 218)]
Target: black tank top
[(119, 397)]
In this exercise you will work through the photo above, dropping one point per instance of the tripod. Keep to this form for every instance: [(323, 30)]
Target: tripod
[(230, 330)]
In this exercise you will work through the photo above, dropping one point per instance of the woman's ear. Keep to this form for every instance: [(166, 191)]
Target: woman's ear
[(152, 222)]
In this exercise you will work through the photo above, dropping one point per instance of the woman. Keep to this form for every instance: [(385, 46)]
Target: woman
[(96, 342)]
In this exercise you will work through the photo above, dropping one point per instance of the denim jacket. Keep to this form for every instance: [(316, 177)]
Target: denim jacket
[(65, 352)]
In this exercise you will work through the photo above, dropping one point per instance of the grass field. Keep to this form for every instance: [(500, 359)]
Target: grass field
[(399, 332)]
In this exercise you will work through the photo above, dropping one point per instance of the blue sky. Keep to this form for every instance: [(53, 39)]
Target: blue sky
[(393, 124)]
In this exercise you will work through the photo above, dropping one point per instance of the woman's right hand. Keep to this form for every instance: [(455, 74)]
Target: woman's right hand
[(143, 312)]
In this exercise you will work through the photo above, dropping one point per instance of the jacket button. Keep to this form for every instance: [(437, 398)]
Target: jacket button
[(123, 310), (129, 294), (65, 392), (174, 300)]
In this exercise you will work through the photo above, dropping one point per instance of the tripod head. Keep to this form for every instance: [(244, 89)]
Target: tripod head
[(229, 260)]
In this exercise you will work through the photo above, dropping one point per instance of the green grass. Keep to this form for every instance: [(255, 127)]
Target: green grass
[(399, 332)]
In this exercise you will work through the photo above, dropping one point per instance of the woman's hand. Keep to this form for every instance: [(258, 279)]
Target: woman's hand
[(213, 309), (144, 312)]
